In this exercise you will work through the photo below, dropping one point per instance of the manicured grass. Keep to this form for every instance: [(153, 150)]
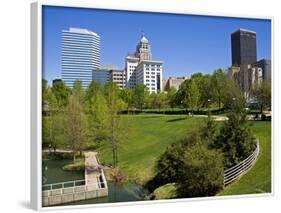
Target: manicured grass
[(146, 138), (258, 179), (148, 135)]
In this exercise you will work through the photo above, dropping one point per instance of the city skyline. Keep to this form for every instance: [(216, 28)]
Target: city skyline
[(187, 43)]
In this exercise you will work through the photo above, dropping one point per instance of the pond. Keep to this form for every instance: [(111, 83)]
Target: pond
[(117, 192)]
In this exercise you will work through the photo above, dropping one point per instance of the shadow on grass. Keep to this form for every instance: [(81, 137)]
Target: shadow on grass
[(176, 119)]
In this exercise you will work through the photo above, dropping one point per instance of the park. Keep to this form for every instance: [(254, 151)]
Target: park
[(136, 136)]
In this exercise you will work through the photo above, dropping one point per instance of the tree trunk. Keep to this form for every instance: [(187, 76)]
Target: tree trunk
[(74, 157)]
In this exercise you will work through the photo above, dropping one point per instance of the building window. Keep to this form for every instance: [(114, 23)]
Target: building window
[(152, 73)]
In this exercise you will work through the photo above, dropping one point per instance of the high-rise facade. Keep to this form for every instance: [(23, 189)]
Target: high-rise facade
[(80, 55), (243, 47), (141, 69), (265, 65)]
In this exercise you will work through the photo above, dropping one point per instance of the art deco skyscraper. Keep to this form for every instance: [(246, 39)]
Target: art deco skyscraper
[(80, 55), (141, 69)]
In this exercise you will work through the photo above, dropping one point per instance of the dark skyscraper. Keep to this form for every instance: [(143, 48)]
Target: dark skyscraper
[(243, 47)]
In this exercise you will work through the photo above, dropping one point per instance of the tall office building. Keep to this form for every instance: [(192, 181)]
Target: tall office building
[(80, 55), (141, 69), (243, 47)]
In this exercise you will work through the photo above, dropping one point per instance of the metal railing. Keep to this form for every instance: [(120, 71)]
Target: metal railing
[(62, 185), (239, 169)]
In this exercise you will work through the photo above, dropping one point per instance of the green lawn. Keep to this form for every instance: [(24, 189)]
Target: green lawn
[(148, 135), (258, 179)]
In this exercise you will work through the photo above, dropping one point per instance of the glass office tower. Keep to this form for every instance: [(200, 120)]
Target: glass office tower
[(80, 55)]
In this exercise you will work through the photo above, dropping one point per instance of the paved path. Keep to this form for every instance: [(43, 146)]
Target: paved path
[(92, 169)]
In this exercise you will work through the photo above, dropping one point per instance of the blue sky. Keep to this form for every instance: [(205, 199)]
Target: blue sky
[(186, 43)]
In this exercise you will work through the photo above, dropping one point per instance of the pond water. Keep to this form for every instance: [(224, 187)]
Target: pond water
[(117, 192)]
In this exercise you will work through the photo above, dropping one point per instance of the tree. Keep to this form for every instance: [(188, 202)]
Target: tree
[(141, 95), (202, 172), (76, 120), (127, 95), (263, 95), (161, 100), (171, 97), (61, 92), (188, 94), (209, 130), (233, 97), (52, 121), (218, 83), (97, 114), (114, 104), (235, 138), (196, 169)]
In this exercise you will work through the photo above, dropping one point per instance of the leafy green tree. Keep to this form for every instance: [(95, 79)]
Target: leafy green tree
[(127, 95), (52, 121), (235, 138), (161, 100), (202, 172), (209, 130), (76, 122), (97, 115), (115, 104), (61, 92), (188, 94), (196, 169), (263, 95), (218, 84), (141, 95), (233, 97), (171, 97)]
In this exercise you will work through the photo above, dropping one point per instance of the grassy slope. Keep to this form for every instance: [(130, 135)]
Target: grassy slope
[(149, 135), (258, 179), (147, 138)]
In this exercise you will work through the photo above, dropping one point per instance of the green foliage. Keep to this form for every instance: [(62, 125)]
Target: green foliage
[(203, 83), (218, 84), (188, 94), (141, 95), (97, 115), (233, 97), (196, 169), (127, 95), (115, 104), (76, 123), (235, 139), (171, 97), (209, 130), (61, 93), (167, 191), (263, 94), (202, 172), (158, 100)]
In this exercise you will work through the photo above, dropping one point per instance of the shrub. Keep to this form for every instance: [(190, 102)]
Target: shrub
[(202, 172), (235, 139)]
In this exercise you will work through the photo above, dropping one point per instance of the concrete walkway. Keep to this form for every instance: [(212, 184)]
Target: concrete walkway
[(92, 171)]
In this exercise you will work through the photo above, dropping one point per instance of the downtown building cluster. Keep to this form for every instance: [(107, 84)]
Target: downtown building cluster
[(246, 69), (80, 60)]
